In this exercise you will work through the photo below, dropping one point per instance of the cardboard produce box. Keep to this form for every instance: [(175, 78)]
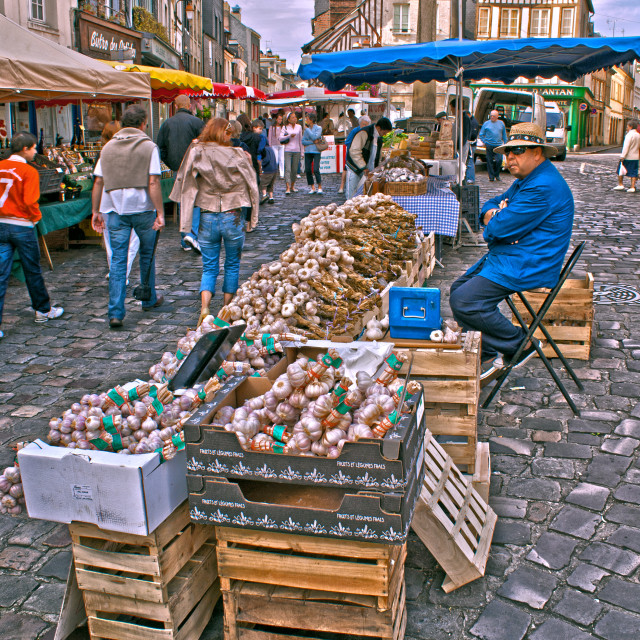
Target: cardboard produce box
[(381, 464), (444, 150), (130, 494), (367, 515)]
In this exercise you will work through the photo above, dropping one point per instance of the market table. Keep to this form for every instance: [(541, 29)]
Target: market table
[(438, 210), (61, 215)]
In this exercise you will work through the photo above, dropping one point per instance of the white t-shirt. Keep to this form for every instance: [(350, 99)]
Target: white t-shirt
[(128, 201)]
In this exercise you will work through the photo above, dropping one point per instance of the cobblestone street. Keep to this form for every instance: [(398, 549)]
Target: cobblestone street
[(564, 563)]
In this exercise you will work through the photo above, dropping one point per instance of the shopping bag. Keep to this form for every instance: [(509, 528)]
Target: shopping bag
[(622, 170)]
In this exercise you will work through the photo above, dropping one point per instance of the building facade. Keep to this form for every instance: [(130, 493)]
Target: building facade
[(213, 39), (52, 19)]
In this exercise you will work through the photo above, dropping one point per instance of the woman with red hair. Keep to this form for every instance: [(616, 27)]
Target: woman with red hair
[(220, 179)]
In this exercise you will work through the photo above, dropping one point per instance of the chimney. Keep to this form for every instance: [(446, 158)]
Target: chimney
[(237, 12)]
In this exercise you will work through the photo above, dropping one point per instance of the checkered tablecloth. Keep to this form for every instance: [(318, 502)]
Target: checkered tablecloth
[(438, 210)]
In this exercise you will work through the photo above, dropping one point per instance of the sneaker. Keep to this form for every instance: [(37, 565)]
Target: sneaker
[(498, 178), (54, 312), (631, 190), (490, 370), (312, 191), (526, 355), (271, 201), (264, 199), (340, 190), (618, 188), (319, 190), (190, 240), (115, 323), (185, 246)]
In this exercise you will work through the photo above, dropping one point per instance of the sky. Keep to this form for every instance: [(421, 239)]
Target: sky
[(623, 14), (283, 26)]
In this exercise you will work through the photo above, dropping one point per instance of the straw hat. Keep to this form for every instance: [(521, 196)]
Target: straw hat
[(527, 134)]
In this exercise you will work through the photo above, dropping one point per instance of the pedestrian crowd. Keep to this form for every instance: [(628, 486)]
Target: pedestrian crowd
[(224, 172)]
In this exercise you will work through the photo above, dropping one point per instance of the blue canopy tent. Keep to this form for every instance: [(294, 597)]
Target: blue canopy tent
[(499, 60)]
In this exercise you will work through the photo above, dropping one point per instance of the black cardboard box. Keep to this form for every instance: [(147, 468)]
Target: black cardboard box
[(379, 464), (366, 515)]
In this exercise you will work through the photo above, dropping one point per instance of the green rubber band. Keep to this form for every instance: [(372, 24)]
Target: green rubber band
[(107, 422), (153, 391), (133, 394), (202, 394), (176, 440), (221, 323), (278, 448), (278, 431), (99, 443), (116, 397), (394, 417), (255, 375), (180, 355), (157, 405), (343, 408), (117, 442), (220, 373), (394, 363), (159, 452)]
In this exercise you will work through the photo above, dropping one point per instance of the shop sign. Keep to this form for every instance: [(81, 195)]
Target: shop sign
[(100, 41), (159, 52)]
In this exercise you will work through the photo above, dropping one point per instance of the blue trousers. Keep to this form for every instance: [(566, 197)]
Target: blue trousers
[(471, 164), (119, 233), (195, 225), (494, 162), (216, 228), (474, 302), (23, 239)]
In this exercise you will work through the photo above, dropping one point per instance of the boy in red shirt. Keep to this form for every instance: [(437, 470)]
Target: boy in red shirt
[(19, 213)]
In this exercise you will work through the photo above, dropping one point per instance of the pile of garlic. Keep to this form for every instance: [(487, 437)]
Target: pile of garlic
[(11, 494), (398, 174), (312, 410), (333, 273)]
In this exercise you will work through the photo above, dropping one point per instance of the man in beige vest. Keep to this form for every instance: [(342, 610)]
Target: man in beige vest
[(127, 191)]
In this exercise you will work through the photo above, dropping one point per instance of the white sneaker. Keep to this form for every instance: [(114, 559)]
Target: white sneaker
[(631, 190), (618, 188), (319, 190), (193, 242), (1, 334), (54, 312)]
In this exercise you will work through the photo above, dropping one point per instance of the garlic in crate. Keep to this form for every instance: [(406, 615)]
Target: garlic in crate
[(11, 492)]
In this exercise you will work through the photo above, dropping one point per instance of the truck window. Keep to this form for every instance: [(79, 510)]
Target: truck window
[(555, 119)]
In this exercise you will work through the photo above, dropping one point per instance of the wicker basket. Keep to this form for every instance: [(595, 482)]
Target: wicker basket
[(405, 188)]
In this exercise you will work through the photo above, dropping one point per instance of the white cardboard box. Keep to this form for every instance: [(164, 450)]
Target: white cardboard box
[(131, 494)]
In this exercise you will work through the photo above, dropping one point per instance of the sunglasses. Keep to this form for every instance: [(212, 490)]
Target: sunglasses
[(518, 151)]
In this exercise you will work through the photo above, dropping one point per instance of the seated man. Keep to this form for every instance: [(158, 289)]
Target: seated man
[(528, 229)]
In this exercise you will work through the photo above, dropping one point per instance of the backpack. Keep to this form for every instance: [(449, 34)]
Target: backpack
[(269, 161)]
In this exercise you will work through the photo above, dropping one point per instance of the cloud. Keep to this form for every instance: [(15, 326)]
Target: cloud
[(625, 14), (283, 28)]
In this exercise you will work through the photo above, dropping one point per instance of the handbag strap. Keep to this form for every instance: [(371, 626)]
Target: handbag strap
[(153, 255)]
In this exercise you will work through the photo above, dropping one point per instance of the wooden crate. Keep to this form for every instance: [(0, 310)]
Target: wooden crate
[(570, 318), (452, 519), (423, 262), (277, 585), (160, 586), (481, 479), (451, 382), (303, 562)]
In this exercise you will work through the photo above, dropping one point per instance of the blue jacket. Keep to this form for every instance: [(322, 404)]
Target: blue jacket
[(309, 136), (493, 133), (269, 160), (351, 136), (529, 238)]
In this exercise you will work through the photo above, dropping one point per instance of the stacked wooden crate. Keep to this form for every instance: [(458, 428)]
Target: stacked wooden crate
[(162, 586), (569, 320), (450, 376), (283, 586)]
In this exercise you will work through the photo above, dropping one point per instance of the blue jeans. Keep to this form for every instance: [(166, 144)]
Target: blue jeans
[(23, 239), (195, 225), (474, 301), (312, 168), (494, 162), (119, 233), (471, 164), (215, 228)]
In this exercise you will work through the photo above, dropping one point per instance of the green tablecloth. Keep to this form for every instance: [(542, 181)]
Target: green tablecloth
[(60, 215)]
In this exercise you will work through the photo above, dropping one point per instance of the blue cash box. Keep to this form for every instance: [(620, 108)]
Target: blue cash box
[(414, 312)]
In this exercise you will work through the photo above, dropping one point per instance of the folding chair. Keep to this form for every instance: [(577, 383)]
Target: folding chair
[(536, 323)]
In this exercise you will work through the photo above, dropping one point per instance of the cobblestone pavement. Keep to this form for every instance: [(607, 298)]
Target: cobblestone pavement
[(566, 551)]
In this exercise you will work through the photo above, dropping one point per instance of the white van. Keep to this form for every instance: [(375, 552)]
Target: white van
[(511, 105), (556, 128)]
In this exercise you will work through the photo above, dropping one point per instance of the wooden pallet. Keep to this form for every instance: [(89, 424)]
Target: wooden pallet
[(421, 266), (570, 318), (310, 563), (451, 381), (160, 586), (481, 478), (452, 519), (268, 612)]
